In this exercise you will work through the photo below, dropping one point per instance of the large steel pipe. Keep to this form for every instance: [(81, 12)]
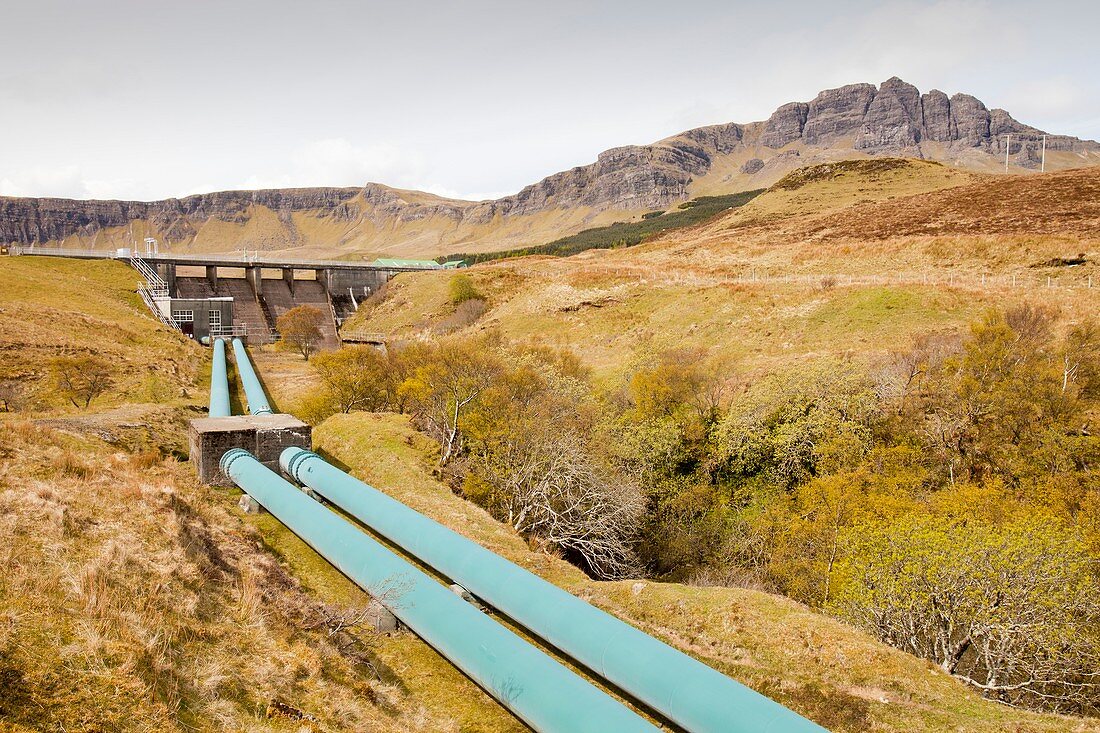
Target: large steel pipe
[(686, 691), (253, 390), (538, 689), (219, 383)]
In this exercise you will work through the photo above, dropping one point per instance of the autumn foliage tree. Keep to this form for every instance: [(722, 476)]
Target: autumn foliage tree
[(300, 329), (944, 499), (1009, 602)]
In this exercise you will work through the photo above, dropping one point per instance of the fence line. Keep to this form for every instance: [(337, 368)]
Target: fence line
[(825, 281)]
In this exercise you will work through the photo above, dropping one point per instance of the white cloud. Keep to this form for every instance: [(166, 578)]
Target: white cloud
[(450, 193), (339, 162), (66, 182)]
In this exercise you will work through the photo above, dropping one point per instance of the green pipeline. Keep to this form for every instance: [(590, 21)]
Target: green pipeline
[(687, 692), (219, 383), (536, 688), (253, 390)]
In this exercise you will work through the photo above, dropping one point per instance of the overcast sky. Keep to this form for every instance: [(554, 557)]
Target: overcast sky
[(150, 99)]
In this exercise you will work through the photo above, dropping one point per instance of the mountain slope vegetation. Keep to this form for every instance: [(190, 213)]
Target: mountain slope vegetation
[(131, 596)]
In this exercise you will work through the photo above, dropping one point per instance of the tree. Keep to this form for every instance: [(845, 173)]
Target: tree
[(545, 482), (995, 407), (790, 428), (81, 378), (532, 463), (300, 329), (11, 395), (1012, 607), (355, 378), (443, 388)]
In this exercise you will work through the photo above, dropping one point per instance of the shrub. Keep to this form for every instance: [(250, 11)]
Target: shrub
[(81, 379), (462, 289), (465, 314)]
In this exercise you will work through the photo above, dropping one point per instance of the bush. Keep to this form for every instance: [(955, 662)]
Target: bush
[(462, 289), (465, 314)]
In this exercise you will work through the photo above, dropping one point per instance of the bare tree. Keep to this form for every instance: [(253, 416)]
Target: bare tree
[(81, 378), (547, 485), (12, 396)]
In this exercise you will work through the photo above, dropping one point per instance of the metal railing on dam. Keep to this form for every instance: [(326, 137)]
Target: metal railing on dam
[(241, 259)]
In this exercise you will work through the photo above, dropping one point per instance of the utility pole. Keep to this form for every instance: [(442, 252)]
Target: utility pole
[(1044, 168), (1008, 144)]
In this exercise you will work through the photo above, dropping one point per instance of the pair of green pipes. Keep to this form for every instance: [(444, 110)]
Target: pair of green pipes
[(219, 382), (539, 690)]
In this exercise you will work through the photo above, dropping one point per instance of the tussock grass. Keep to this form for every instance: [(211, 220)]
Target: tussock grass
[(51, 307), (132, 599)]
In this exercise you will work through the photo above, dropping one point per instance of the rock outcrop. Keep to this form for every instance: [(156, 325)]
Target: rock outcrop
[(785, 125), (893, 119), (837, 113), (939, 125)]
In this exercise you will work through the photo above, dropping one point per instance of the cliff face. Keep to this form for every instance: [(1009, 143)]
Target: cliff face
[(859, 119), (896, 118)]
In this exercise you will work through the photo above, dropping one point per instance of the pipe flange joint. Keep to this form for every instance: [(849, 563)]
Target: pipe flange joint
[(293, 464), (231, 455)]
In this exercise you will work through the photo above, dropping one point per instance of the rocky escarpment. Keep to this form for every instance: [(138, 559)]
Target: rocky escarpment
[(631, 177), (40, 220), (895, 119), (892, 119), (27, 220)]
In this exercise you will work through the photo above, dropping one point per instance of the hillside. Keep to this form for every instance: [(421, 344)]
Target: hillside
[(829, 279), (131, 597), (855, 121)]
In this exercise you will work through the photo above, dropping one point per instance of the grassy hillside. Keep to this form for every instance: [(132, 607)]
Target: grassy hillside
[(51, 306), (131, 598), (796, 273), (378, 233)]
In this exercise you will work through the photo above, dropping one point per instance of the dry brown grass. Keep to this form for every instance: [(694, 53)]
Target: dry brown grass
[(131, 599), (749, 286)]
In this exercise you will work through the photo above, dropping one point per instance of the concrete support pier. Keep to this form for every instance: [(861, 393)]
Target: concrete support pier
[(264, 436)]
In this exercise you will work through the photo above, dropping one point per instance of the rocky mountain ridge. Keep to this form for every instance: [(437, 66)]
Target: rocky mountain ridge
[(857, 120)]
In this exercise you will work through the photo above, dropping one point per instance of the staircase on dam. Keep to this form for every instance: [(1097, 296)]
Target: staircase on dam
[(247, 310), (279, 297)]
